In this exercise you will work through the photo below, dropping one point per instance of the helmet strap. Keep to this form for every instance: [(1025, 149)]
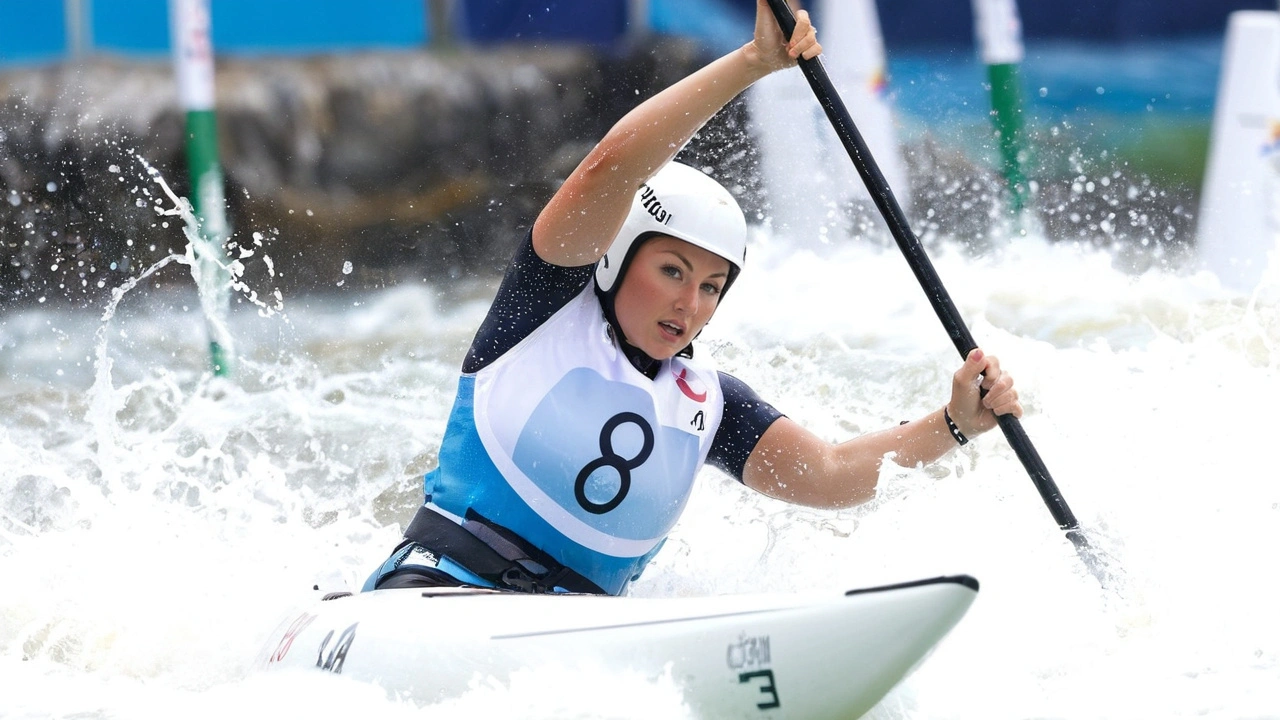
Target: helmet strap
[(639, 359)]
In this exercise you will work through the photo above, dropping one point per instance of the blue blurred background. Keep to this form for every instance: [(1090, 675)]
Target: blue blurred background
[(366, 109), (35, 31), (1128, 82)]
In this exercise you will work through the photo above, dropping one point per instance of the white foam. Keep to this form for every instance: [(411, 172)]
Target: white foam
[(156, 523)]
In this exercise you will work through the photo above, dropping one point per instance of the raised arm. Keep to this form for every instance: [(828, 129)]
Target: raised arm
[(793, 464), (578, 223)]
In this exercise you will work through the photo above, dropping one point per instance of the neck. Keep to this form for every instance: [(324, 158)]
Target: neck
[(638, 358)]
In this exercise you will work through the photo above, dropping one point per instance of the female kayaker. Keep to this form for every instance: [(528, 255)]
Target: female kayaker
[(582, 418)]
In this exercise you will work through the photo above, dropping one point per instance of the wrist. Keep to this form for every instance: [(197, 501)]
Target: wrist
[(954, 429), (757, 66)]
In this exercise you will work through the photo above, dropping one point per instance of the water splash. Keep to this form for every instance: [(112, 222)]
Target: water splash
[(208, 271)]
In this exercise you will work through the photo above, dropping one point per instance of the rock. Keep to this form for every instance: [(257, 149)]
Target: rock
[(368, 170), (406, 164)]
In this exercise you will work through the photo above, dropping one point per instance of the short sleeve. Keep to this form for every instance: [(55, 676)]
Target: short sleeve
[(532, 290), (746, 418)]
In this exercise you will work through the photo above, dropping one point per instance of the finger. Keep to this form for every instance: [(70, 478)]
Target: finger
[(807, 36), (812, 51), (802, 23), (991, 372), (1000, 392), (1013, 409), (1002, 398), (801, 29), (803, 37), (1010, 406), (806, 47), (974, 364)]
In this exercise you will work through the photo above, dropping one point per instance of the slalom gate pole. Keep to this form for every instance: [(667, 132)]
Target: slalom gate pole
[(193, 60), (999, 33)]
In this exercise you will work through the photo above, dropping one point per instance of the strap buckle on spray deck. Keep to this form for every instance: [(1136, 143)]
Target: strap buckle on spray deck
[(494, 553)]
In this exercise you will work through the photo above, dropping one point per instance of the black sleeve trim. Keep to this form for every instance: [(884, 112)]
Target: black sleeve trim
[(746, 417), (531, 292)]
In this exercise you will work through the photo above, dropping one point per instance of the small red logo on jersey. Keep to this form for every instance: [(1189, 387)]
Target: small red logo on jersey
[(683, 384)]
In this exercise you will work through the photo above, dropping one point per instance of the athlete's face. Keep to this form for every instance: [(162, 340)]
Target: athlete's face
[(668, 294)]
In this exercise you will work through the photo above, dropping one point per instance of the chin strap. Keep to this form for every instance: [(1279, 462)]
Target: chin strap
[(638, 358)]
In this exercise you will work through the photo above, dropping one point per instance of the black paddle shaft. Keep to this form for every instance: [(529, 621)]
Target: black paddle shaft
[(914, 252)]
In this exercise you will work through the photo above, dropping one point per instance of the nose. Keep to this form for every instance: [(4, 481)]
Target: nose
[(687, 299)]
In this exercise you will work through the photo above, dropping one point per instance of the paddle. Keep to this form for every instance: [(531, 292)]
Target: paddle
[(914, 252)]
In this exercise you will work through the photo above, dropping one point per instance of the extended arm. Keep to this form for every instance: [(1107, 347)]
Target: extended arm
[(793, 464), (578, 223)]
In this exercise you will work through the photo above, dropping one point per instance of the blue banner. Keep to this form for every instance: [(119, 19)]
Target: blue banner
[(36, 30)]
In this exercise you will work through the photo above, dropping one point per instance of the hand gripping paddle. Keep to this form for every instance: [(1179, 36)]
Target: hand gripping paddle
[(914, 252)]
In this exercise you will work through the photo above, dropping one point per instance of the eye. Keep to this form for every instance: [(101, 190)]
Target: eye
[(711, 288), (671, 271)]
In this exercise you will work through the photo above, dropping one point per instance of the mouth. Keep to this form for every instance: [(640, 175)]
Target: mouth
[(672, 329)]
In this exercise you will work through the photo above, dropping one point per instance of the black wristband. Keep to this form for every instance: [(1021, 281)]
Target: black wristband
[(951, 425)]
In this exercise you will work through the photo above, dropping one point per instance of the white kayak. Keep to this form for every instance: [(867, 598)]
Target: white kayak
[(734, 656)]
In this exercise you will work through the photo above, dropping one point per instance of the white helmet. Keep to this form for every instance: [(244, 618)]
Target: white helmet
[(683, 203)]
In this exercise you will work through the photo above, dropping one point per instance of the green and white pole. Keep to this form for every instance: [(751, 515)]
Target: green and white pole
[(999, 32), (193, 58)]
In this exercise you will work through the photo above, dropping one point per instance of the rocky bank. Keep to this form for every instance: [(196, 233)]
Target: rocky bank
[(405, 166)]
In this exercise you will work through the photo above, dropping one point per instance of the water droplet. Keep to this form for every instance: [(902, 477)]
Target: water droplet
[(347, 267)]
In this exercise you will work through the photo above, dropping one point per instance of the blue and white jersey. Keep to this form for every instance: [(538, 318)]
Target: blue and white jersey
[(558, 437)]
